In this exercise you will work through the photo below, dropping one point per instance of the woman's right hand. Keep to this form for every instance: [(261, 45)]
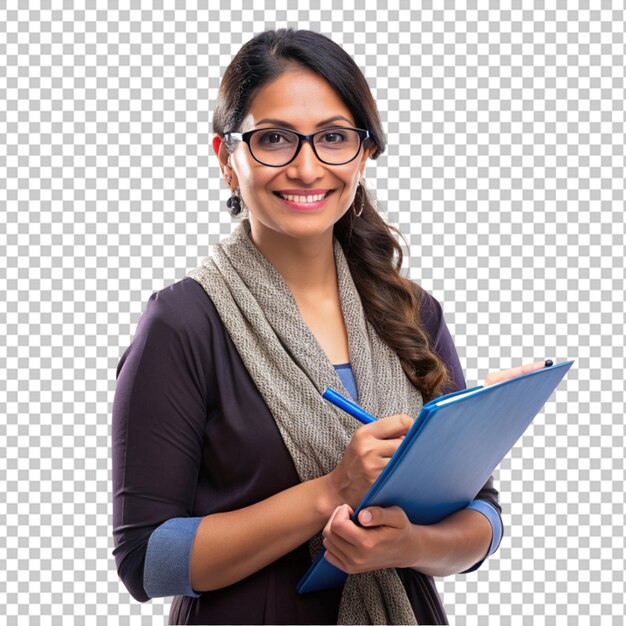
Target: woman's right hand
[(365, 457)]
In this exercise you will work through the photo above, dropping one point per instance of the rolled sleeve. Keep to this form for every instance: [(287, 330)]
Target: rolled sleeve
[(168, 558), (493, 517)]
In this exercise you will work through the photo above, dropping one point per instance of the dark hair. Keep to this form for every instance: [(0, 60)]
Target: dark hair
[(390, 301)]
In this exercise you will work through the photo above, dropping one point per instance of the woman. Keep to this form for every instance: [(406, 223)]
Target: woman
[(229, 468)]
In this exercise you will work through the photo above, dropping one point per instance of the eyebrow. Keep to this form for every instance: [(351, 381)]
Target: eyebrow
[(267, 120)]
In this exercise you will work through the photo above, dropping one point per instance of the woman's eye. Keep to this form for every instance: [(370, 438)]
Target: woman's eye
[(273, 137), (333, 137)]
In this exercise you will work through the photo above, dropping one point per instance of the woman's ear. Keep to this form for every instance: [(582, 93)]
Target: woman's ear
[(223, 154), (217, 141), (366, 154)]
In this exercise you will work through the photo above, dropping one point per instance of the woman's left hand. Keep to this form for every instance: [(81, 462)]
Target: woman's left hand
[(384, 539), (497, 377)]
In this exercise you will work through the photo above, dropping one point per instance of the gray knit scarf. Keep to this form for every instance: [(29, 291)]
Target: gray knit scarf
[(291, 371)]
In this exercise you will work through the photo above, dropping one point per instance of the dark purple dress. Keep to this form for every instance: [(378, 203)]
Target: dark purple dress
[(185, 406)]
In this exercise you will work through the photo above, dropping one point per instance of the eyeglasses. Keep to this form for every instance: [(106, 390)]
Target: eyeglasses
[(276, 147)]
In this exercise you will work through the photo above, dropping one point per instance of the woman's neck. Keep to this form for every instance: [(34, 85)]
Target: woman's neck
[(307, 265)]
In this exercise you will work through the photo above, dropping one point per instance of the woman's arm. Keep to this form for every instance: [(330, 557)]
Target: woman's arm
[(159, 421), (486, 502), (230, 546), (386, 538), (452, 545)]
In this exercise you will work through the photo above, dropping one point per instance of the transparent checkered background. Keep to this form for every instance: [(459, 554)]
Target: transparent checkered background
[(504, 170)]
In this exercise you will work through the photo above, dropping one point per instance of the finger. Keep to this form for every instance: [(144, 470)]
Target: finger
[(386, 448), (330, 520), (392, 516), (339, 547), (343, 528), (390, 427), (335, 560), (497, 377)]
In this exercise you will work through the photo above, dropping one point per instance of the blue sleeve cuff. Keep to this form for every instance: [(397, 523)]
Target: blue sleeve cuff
[(492, 515), (168, 558)]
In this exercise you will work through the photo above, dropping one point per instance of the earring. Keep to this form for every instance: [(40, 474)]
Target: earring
[(234, 203), (362, 201)]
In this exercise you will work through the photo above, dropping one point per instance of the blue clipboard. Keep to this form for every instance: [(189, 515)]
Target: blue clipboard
[(449, 453)]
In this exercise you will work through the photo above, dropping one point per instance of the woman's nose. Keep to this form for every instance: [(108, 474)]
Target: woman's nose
[(306, 165)]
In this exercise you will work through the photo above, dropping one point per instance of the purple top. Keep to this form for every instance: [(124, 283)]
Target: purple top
[(181, 412)]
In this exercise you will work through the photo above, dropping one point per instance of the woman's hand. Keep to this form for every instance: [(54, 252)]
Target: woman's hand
[(497, 377), (365, 457), (385, 540)]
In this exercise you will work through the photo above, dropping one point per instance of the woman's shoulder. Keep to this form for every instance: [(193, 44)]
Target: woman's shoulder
[(430, 310), (182, 306)]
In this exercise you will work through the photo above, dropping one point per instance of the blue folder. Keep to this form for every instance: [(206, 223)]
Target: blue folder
[(449, 453)]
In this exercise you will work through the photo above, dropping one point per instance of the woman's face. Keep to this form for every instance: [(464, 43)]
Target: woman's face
[(302, 101)]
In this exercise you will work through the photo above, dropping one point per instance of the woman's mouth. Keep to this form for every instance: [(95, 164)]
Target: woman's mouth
[(303, 202)]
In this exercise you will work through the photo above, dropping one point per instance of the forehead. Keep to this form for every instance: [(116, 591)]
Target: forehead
[(299, 97)]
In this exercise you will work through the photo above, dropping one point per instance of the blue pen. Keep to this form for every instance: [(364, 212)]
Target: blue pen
[(348, 406)]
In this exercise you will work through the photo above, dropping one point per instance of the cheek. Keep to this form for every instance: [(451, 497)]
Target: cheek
[(350, 177), (354, 179), (251, 175), (241, 167)]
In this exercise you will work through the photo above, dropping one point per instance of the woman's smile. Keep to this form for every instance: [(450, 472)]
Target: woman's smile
[(304, 199)]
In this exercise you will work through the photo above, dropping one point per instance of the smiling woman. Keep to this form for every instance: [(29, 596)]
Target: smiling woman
[(291, 190), (227, 461)]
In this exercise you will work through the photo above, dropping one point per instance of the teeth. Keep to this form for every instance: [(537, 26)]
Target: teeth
[(303, 199)]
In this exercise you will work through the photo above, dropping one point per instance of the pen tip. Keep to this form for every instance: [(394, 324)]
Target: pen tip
[(548, 363)]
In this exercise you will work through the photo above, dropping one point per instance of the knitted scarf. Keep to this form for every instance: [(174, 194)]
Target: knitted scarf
[(291, 370)]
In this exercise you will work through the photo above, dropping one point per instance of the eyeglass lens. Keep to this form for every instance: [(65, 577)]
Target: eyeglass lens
[(277, 146)]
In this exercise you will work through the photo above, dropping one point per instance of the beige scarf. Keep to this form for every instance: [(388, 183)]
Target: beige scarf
[(291, 371)]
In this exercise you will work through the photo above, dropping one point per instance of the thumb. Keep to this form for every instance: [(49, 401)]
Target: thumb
[(379, 516), (343, 511)]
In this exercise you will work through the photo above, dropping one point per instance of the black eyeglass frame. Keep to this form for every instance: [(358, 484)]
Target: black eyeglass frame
[(246, 137)]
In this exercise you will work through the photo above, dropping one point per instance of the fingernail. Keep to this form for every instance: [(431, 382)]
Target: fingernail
[(366, 517)]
